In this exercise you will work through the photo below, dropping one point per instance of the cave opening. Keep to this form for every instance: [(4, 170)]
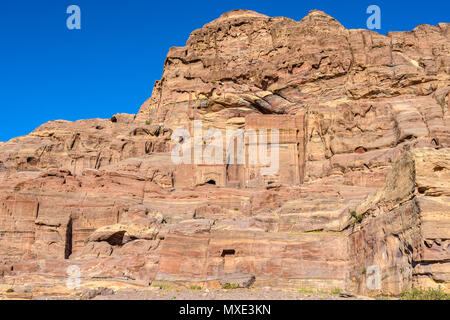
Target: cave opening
[(32, 161), (228, 260), (229, 252), (68, 244)]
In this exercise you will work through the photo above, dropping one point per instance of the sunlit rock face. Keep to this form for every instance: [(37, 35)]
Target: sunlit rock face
[(362, 189)]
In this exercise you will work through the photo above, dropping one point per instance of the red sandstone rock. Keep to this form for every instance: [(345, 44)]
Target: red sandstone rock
[(364, 126)]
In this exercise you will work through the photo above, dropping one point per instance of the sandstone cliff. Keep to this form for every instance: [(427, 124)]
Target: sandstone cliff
[(363, 180)]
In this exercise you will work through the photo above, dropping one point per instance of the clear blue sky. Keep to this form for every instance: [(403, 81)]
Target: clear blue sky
[(48, 72)]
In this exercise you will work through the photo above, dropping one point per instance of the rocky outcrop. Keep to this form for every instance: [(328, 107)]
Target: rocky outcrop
[(405, 226), (362, 182)]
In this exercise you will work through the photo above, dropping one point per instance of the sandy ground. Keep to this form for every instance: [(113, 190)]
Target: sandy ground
[(222, 294), (193, 294), (115, 290)]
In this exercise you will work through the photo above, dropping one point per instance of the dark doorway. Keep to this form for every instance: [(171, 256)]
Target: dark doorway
[(228, 260), (68, 244), (228, 252)]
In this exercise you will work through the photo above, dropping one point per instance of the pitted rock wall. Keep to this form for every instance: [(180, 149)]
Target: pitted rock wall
[(104, 194)]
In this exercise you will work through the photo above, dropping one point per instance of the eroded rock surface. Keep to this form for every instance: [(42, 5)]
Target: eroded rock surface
[(363, 179)]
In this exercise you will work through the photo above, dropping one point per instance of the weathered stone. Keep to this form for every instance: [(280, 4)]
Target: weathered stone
[(363, 179), (238, 280)]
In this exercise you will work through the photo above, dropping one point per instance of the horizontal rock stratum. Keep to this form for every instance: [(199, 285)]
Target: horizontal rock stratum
[(362, 190)]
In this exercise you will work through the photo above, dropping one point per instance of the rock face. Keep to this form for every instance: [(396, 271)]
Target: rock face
[(360, 201), (405, 226)]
